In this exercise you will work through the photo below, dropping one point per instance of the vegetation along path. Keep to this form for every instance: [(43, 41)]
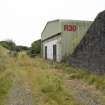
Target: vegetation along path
[(20, 92), (85, 94), (39, 82)]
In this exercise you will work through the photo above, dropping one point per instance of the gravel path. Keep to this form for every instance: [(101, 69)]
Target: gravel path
[(20, 93), (84, 94)]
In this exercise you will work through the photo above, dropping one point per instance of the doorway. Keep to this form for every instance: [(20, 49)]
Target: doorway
[(45, 52), (54, 52)]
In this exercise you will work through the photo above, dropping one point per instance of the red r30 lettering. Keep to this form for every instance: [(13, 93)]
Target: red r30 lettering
[(70, 27)]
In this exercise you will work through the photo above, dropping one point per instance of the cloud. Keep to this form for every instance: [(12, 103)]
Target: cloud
[(24, 20)]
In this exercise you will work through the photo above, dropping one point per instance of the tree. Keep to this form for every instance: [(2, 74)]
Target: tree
[(21, 48), (9, 44), (35, 48)]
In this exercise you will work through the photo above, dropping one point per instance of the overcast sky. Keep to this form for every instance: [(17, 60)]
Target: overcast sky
[(24, 20)]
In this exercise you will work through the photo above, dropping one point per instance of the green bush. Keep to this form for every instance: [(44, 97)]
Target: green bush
[(9, 44), (35, 48)]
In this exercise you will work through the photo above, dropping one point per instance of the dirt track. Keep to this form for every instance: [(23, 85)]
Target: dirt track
[(20, 93), (84, 94)]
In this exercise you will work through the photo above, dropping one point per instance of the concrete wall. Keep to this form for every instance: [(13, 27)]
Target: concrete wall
[(71, 38)]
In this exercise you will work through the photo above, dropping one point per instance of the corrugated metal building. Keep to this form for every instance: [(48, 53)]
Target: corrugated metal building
[(60, 38)]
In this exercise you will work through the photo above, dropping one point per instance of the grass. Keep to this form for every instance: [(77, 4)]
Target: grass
[(46, 78), (74, 73), (51, 90), (5, 74), (5, 84), (78, 73), (91, 78), (47, 86)]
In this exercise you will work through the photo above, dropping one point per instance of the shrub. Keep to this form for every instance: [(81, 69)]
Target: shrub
[(9, 44), (35, 48)]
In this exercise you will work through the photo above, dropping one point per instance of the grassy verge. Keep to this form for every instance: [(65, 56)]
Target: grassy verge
[(91, 78), (46, 79), (74, 73), (47, 85), (5, 84), (48, 89), (5, 74)]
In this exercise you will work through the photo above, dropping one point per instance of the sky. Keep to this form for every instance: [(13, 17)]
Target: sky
[(23, 20)]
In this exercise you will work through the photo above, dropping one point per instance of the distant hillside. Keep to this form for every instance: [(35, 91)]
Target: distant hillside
[(9, 44)]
